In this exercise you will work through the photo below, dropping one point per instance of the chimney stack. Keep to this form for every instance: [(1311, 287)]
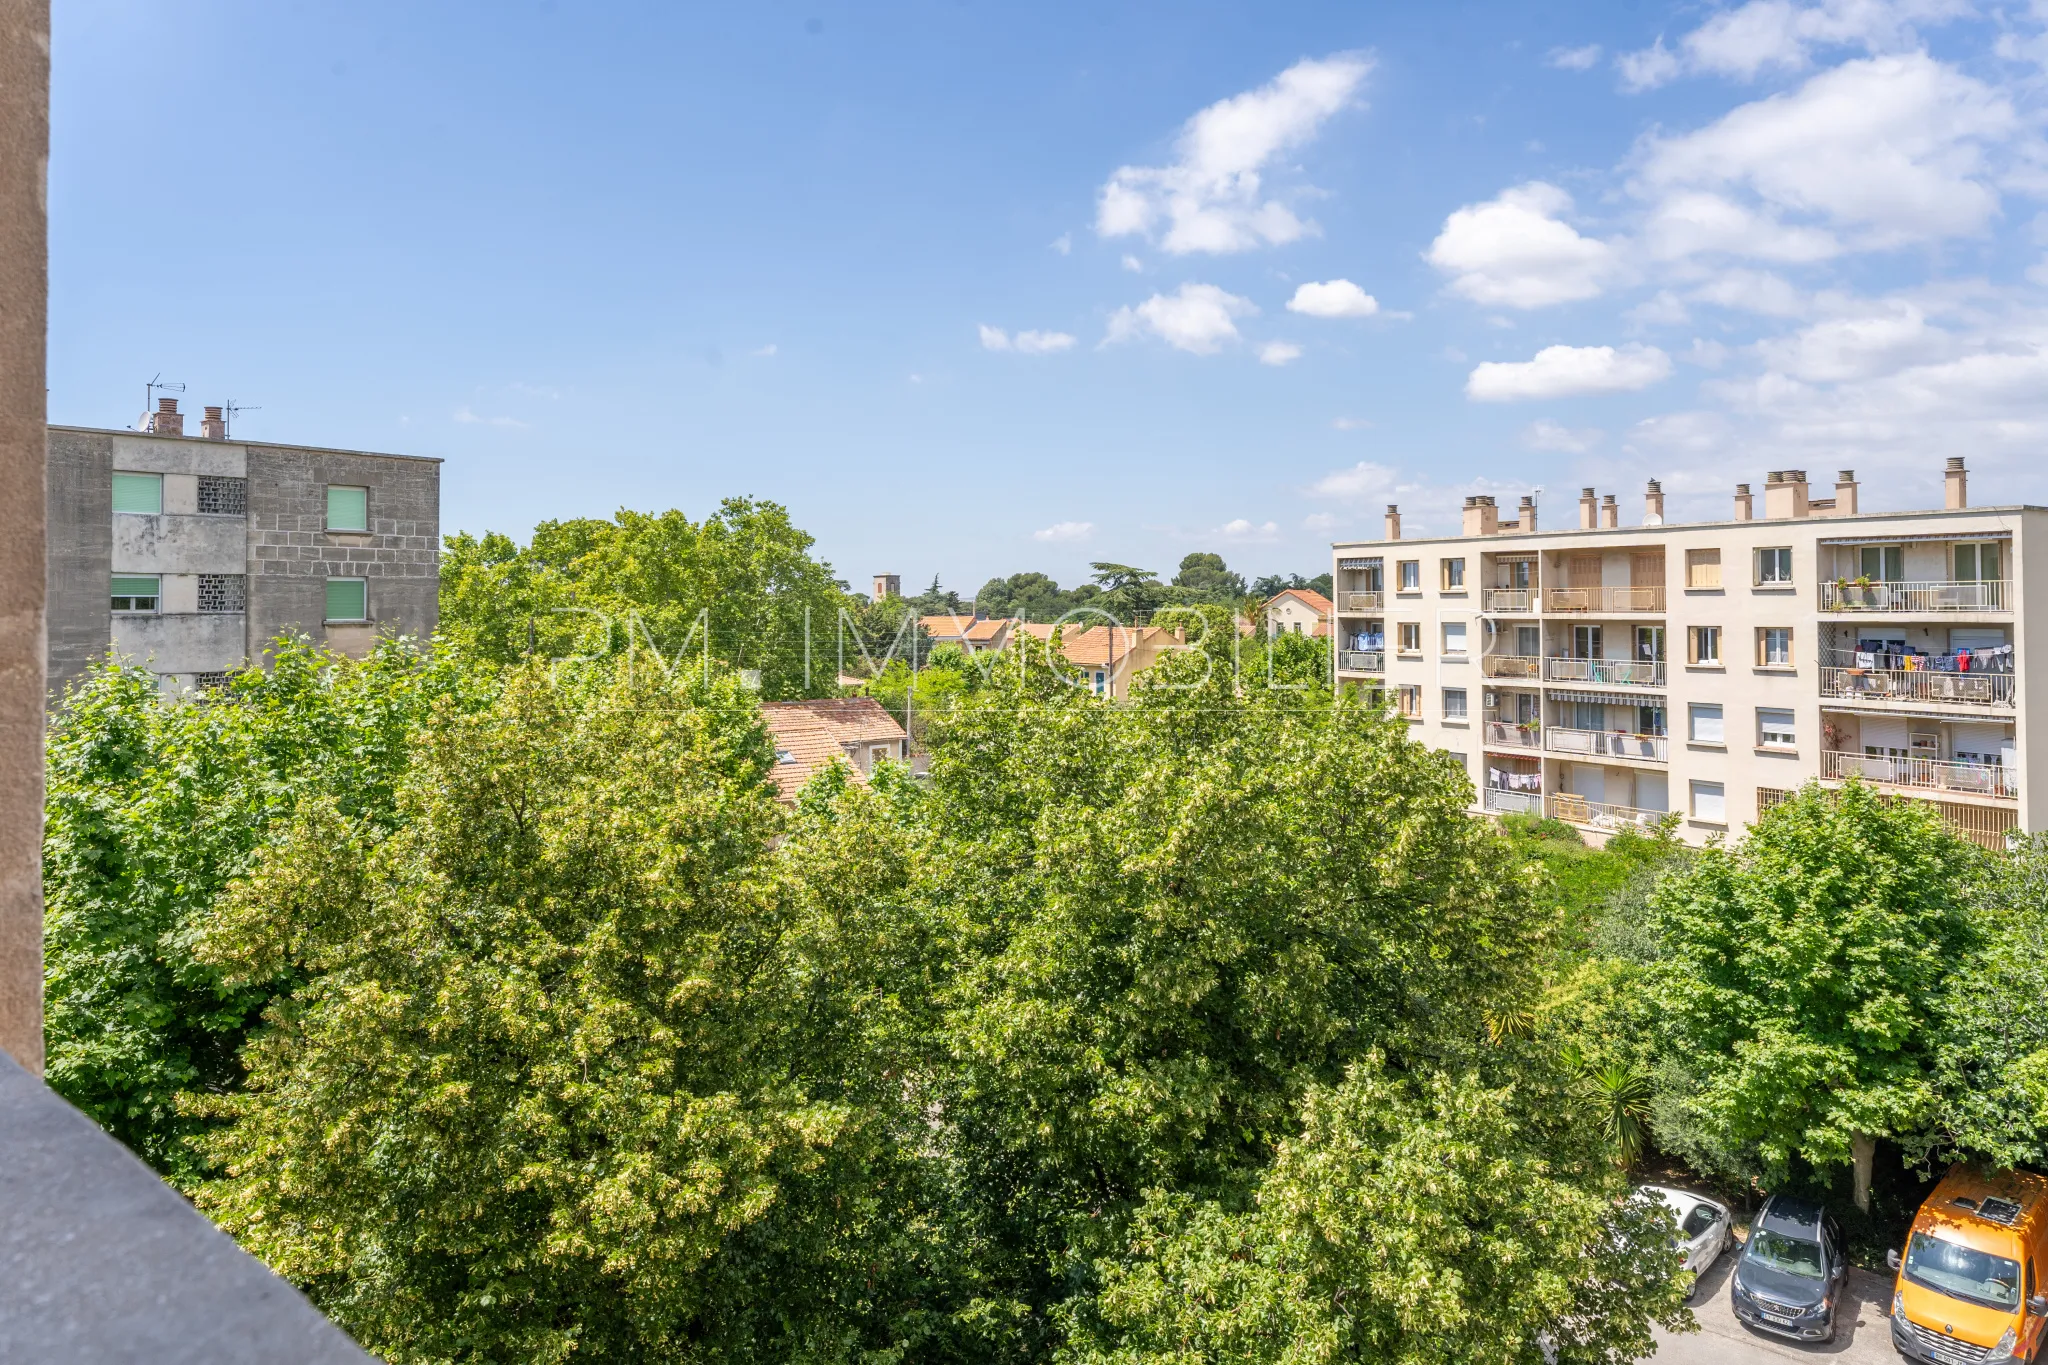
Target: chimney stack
[(1393, 522), (1845, 493), (1525, 520), (1653, 504), (1482, 516), (1589, 509), (1610, 511), (166, 420), (1956, 484), (1785, 495), (888, 585), (1745, 506), (213, 426)]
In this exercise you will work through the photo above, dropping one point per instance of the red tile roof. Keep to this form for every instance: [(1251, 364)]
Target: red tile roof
[(1307, 595), (810, 734)]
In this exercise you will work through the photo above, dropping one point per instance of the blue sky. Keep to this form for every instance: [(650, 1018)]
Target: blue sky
[(975, 289)]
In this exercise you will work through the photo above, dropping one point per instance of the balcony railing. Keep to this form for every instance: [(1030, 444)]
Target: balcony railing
[(1919, 684), (1362, 660), (1935, 774), (1361, 601), (1507, 802), (1604, 599), (1509, 734), (1615, 672), (1995, 595), (1511, 665), (1506, 599), (1578, 810), (1606, 743)]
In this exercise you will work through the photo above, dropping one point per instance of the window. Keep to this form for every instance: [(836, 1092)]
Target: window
[(1100, 678), (139, 493), (1454, 638), (1774, 566), (1709, 801), (1411, 700), (348, 599), (1586, 642), (222, 592), (1977, 564), (1702, 568), (1528, 641), (1881, 563), (1454, 575), (875, 755), (1454, 703), (1774, 646), (1297, 627), (1410, 575), (1703, 720), (223, 496), (137, 592), (1703, 645), (348, 509), (216, 681), (1408, 637), (1774, 729)]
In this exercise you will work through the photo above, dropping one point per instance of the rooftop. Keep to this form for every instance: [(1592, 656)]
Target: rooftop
[(808, 735)]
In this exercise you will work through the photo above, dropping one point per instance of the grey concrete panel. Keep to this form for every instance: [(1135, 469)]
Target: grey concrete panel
[(195, 642), (102, 1262), (172, 544), (81, 531), (172, 455)]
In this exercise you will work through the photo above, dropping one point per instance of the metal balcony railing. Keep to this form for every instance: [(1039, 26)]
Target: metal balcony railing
[(1510, 734), (1935, 774), (1361, 601), (1506, 599), (1607, 743), (1578, 810), (1919, 684), (1511, 665), (1361, 661), (1516, 803), (1995, 595), (1617, 672), (1604, 599)]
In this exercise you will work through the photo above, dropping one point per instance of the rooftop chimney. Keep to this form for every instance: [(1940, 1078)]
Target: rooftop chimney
[(212, 426), (1482, 516), (1745, 506), (1610, 511), (166, 420), (1956, 485), (1845, 493), (1526, 519), (1589, 509), (1393, 522), (1653, 504), (1785, 495)]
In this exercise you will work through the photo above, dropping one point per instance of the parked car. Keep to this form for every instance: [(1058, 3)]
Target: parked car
[(1966, 1291), (1705, 1229), (1791, 1273)]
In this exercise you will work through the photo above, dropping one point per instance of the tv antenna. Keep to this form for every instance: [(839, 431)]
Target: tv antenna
[(230, 408), (149, 394)]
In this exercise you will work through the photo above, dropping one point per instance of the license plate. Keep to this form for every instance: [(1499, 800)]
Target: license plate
[(1777, 1318)]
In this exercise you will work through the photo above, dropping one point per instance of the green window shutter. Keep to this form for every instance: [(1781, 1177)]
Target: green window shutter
[(347, 599), (348, 509), (135, 586), (143, 493)]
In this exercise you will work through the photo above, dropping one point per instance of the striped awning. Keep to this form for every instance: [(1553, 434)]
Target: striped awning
[(1965, 537), (1858, 706), (1373, 563), (1646, 697)]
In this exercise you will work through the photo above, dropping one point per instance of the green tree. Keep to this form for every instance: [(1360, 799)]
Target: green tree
[(1209, 577), (1800, 975), (1126, 592), (1031, 597)]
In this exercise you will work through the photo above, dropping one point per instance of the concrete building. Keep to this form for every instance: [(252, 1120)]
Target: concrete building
[(1298, 611), (189, 554), (1607, 675)]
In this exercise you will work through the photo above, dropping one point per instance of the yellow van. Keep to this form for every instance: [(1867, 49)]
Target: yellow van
[(1967, 1291)]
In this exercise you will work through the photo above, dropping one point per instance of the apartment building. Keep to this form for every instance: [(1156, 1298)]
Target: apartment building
[(1607, 675), (188, 554)]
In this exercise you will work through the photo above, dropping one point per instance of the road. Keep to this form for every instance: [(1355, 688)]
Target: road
[(1862, 1337)]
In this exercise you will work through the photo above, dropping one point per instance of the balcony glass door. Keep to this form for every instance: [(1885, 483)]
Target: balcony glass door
[(1977, 563), (1528, 641), (1586, 642), (1650, 644), (1882, 563)]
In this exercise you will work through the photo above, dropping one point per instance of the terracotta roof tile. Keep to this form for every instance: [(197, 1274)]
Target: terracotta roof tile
[(810, 734)]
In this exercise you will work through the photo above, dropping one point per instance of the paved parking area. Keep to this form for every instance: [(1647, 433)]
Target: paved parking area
[(1862, 1336)]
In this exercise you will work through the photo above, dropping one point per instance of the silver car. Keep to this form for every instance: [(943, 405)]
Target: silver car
[(1705, 1228)]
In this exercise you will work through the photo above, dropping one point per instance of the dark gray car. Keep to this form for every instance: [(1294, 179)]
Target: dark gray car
[(1791, 1273)]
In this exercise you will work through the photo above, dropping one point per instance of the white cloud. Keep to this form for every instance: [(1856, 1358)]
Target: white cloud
[(1573, 58), (469, 418), (764, 351), (1024, 343), (1864, 346), (1516, 252), (1243, 530), (1752, 291), (1319, 521), (1064, 243), (1563, 371), (1362, 481), (1065, 530), (1333, 299), (1544, 434), (1649, 68), (1662, 309), (993, 338), (1695, 222), (1279, 353), (1197, 318), (1351, 423), (1778, 35), (1133, 264), (1212, 198)]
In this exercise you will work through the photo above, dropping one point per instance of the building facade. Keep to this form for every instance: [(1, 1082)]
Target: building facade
[(1298, 611), (189, 555), (1608, 675)]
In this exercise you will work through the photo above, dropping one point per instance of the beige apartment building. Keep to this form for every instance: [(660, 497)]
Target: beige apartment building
[(1608, 674)]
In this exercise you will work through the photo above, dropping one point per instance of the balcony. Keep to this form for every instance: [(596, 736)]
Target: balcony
[(1514, 803), (1507, 734), (1918, 685), (1361, 661), (1607, 600), (1511, 665), (1995, 595), (1607, 744), (1507, 600), (1361, 601), (1577, 810), (1609, 672), (1925, 774)]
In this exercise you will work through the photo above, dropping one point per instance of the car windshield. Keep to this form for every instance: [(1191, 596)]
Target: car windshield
[(1698, 1221), (1963, 1272), (1793, 1255)]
